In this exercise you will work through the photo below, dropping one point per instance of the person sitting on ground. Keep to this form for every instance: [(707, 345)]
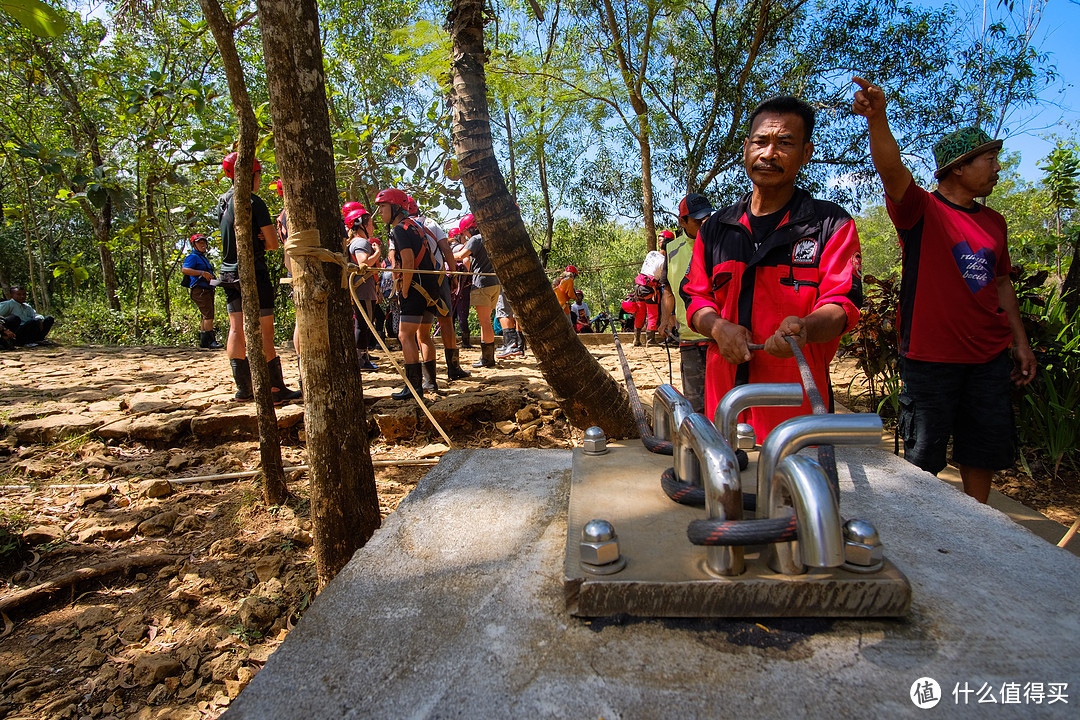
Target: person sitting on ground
[(579, 311), (198, 272), (27, 327)]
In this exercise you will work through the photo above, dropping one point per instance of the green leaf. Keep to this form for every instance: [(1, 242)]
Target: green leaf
[(35, 16)]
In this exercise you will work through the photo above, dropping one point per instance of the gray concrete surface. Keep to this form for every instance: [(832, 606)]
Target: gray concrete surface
[(455, 609)]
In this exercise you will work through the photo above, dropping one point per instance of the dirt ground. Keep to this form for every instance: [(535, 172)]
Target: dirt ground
[(205, 580)]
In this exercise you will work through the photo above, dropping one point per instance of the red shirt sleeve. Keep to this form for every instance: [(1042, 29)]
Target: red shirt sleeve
[(841, 273)]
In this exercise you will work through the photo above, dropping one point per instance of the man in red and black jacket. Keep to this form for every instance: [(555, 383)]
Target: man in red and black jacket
[(778, 263)]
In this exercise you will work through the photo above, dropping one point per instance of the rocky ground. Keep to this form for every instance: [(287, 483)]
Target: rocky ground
[(197, 581)]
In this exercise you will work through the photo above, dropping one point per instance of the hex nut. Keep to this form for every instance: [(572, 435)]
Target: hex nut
[(862, 554), (599, 553), (745, 437), (595, 442)]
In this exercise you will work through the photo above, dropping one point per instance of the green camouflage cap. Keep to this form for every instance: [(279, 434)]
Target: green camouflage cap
[(956, 147)]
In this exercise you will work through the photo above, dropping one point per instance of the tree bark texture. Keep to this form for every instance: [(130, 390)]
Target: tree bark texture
[(344, 500), (587, 393), (275, 491)]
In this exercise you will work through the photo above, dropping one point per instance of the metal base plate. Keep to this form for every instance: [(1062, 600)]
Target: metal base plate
[(665, 575)]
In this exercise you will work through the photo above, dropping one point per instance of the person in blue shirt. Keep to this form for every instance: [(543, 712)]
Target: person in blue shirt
[(198, 272)]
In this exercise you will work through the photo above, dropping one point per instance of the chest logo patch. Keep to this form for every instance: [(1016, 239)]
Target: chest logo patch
[(976, 266), (805, 251)]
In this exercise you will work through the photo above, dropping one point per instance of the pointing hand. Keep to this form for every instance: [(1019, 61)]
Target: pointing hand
[(869, 100)]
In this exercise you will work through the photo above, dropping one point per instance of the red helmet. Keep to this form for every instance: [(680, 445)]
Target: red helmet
[(229, 165), (393, 196), (454, 232), (197, 237), (357, 213), (349, 207), (571, 269), (279, 186), (667, 234), (411, 207), (467, 222)]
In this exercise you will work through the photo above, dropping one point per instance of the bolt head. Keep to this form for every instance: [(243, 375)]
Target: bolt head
[(861, 531)]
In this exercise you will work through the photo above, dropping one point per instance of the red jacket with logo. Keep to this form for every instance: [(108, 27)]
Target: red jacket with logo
[(810, 260)]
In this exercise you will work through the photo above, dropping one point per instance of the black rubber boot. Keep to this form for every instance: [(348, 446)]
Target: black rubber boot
[(637, 337), (466, 341), (278, 391), (431, 383), (650, 338), (414, 374), (209, 340), (487, 355), (454, 371), (241, 373), (509, 342)]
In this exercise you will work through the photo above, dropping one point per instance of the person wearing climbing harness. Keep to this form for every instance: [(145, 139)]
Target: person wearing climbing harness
[(644, 300), (363, 249), (958, 312), (198, 272), (417, 293), (439, 248), (485, 289), (693, 346), (462, 291), (263, 239), (779, 263)]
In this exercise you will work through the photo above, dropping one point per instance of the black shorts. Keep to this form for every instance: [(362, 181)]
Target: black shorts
[(416, 309), (968, 402), (230, 282)]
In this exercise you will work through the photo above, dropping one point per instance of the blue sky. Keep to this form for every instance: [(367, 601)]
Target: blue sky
[(1056, 34)]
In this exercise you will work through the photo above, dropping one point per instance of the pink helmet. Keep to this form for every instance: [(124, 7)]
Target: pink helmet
[(229, 165), (467, 222), (279, 186), (357, 213), (349, 207), (454, 232), (412, 208)]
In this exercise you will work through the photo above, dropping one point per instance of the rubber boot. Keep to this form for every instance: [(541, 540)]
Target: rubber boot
[(509, 340), (278, 391), (241, 373), (454, 371), (208, 339), (203, 342), (519, 343), (637, 337), (414, 374), (650, 338), (487, 355), (431, 383), (466, 341), (365, 361)]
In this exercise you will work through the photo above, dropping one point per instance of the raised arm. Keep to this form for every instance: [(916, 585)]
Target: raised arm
[(870, 103)]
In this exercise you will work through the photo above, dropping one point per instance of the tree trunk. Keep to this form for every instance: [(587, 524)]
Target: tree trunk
[(275, 491), (585, 391), (344, 500)]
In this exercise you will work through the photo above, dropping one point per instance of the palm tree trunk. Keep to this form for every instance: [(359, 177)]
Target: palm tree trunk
[(586, 392), (344, 500)]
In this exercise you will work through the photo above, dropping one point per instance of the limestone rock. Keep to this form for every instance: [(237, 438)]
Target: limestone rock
[(110, 532), (490, 405), (92, 616), (268, 567), (177, 462), (161, 428), (150, 669), (160, 524), (188, 523), (289, 415), (145, 402), (432, 450), (41, 534), (397, 423), (226, 422), (155, 488), (527, 413), (54, 427), (258, 613)]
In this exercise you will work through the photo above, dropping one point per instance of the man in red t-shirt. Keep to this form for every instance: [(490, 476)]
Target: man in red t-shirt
[(958, 311)]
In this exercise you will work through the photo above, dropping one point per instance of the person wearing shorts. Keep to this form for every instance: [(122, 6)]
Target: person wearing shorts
[(485, 290), (264, 238), (513, 341), (958, 311)]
